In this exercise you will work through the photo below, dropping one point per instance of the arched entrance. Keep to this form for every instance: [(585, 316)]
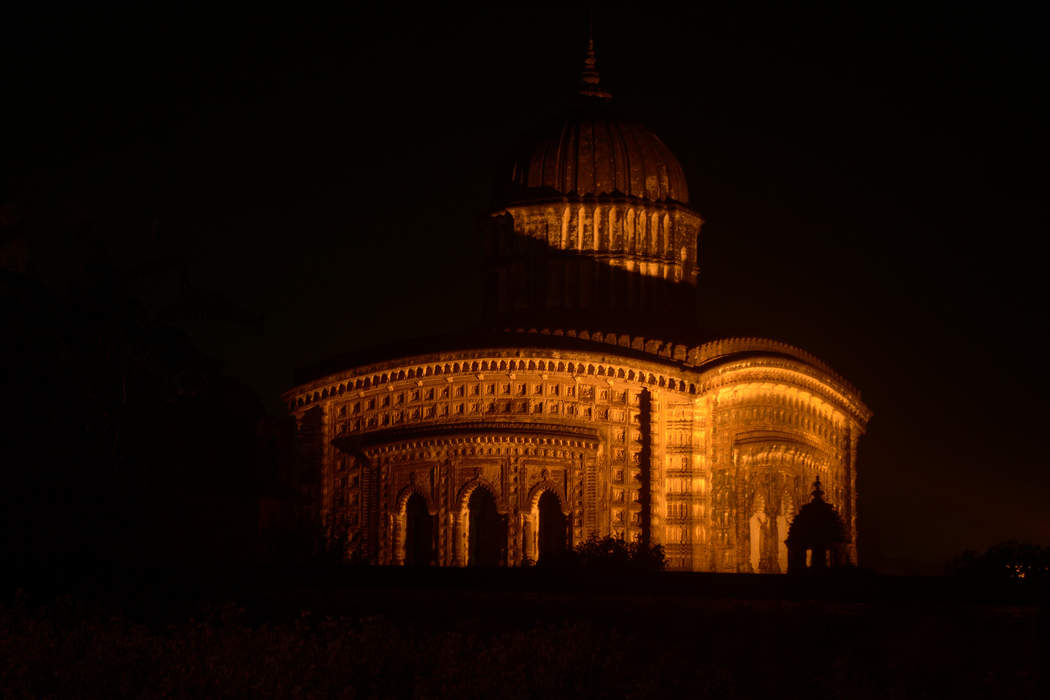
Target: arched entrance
[(486, 534), (552, 528), (545, 525), (419, 532)]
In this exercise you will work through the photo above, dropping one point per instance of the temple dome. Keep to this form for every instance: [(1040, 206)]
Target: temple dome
[(594, 152), (601, 156)]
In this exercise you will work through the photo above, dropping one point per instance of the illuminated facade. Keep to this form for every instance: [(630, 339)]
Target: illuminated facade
[(590, 407)]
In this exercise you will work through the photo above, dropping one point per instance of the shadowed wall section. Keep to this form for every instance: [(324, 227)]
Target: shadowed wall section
[(534, 284)]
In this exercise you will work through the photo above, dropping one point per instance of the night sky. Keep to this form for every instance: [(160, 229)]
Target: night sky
[(285, 186)]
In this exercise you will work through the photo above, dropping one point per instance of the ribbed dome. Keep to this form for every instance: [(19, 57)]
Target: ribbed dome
[(594, 152), (592, 156)]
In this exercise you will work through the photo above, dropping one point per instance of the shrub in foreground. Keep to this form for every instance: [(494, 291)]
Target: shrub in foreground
[(610, 554)]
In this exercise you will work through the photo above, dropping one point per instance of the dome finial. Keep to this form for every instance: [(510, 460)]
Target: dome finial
[(589, 84), (818, 493)]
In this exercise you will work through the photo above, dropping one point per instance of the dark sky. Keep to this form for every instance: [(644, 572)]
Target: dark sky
[(297, 184)]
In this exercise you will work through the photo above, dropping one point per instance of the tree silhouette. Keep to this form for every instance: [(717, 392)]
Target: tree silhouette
[(1005, 561), (615, 554)]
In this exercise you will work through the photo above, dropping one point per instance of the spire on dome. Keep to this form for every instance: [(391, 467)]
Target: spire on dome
[(589, 84), (818, 493)]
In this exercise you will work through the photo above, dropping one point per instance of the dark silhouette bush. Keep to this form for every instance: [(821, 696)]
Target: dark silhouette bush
[(1005, 561), (610, 554)]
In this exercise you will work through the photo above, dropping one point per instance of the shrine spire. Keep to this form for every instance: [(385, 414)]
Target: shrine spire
[(589, 82)]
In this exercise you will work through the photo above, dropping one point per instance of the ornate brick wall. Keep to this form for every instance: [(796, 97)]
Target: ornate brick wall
[(738, 431)]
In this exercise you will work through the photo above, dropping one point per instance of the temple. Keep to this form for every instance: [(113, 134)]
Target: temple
[(590, 403)]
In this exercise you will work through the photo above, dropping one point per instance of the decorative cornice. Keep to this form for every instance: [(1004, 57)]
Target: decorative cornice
[(605, 199), (536, 429), (614, 348), (771, 370)]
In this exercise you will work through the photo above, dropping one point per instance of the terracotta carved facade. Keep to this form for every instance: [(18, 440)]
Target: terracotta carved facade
[(588, 406)]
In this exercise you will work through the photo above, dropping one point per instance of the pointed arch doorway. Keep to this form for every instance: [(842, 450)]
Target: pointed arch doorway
[(419, 532), (545, 526), (551, 540), (486, 531)]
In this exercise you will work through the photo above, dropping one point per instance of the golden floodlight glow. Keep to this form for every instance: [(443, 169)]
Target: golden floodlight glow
[(580, 416)]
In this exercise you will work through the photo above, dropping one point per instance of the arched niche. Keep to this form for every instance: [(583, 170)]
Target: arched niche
[(414, 532), (546, 527), (481, 526)]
